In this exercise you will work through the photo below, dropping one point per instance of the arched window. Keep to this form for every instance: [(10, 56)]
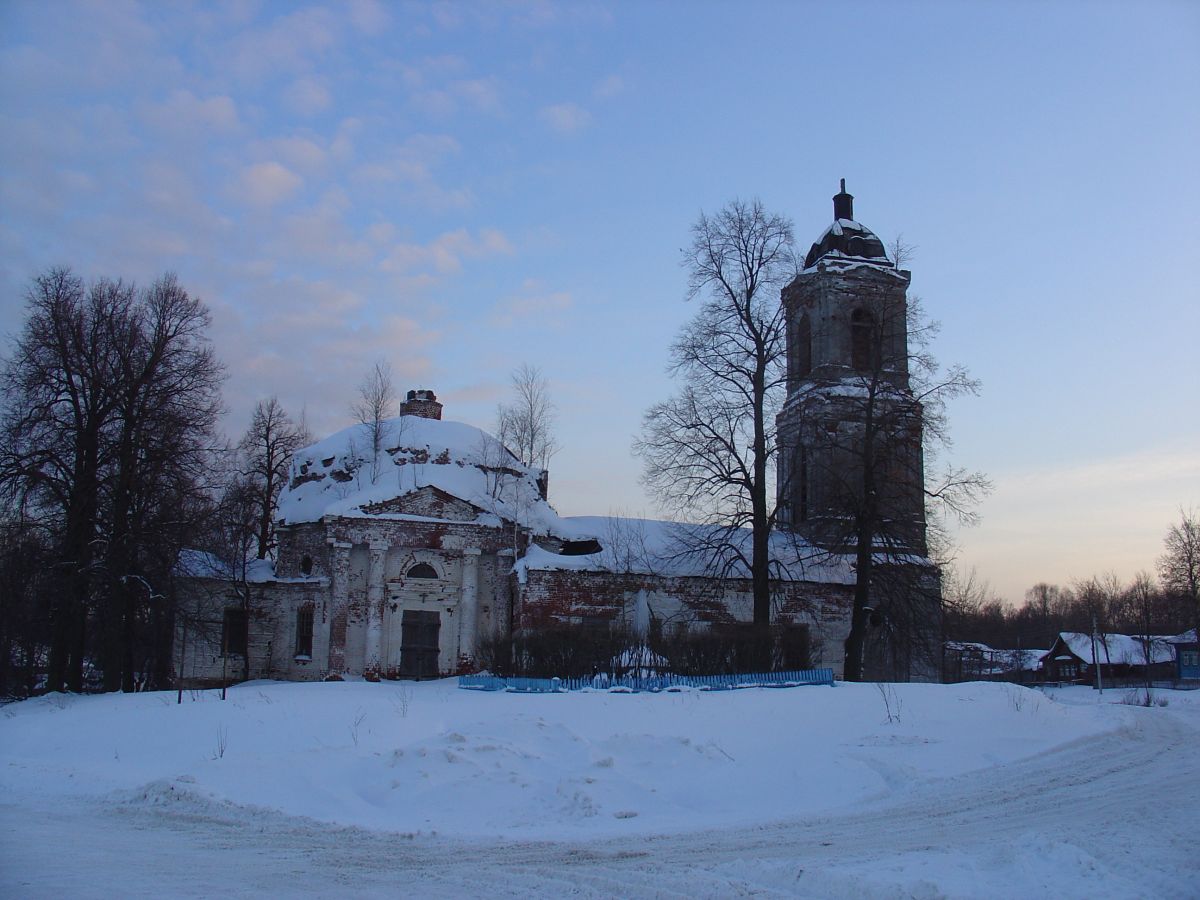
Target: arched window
[(802, 512), (803, 351), (306, 566), (422, 570), (863, 345), (304, 630)]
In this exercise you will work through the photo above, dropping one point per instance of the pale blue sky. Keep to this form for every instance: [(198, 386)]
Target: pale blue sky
[(459, 188)]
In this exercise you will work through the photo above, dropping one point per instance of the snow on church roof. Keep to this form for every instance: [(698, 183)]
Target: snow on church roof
[(336, 477), (847, 241), (673, 549)]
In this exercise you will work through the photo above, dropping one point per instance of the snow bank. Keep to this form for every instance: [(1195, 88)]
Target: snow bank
[(421, 757), (976, 791)]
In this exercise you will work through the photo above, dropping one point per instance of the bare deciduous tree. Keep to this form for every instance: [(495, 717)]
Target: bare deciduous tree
[(266, 450), (525, 425), (708, 451), (1179, 566), (376, 403), (879, 473), (111, 396)]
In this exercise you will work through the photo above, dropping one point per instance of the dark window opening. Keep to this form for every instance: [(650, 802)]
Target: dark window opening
[(863, 345), (595, 623), (306, 565), (802, 513), (804, 347), (233, 632), (422, 570), (304, 631), (580, 548)]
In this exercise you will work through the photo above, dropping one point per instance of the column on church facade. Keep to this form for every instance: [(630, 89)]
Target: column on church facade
[(339, 600), (468, 619), (372, 661)]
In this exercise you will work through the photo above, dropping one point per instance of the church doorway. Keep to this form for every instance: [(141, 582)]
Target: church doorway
[(419, 643)]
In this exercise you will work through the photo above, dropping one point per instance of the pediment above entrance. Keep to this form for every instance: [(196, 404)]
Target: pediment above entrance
[(428, 502)]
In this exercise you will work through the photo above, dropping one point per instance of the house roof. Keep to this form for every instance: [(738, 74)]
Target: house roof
[(1000, 660), (1114, 649)]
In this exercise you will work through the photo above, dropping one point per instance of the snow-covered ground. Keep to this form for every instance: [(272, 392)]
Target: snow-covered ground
[(356, 789)]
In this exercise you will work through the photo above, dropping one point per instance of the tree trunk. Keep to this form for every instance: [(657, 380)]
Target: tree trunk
[(860, 616)]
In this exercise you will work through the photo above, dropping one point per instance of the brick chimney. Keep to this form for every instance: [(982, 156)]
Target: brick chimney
[(421, 403)]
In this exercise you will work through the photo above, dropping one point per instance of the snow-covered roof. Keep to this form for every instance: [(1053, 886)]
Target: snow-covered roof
[(999, 661), (969, 645), (852, 387), (202, 564), (847, 239), (654, 547), (337, 476), (193, 563), (1117, 649)]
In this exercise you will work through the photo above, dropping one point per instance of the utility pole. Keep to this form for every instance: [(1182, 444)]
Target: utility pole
[(1095, 664)]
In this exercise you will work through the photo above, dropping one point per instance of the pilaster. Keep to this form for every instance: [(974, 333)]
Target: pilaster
[(372, 661), (468, 620), (339, 560)]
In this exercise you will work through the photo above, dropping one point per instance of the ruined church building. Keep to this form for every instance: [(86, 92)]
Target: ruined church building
[(405, 565)]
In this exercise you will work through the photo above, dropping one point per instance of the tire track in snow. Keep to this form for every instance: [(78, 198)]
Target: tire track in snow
[(1092, 790)]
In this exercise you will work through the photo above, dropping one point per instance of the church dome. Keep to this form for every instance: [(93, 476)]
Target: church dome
[(846, 238)]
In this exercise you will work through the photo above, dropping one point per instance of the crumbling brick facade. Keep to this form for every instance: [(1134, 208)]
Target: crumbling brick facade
[(550, 597)]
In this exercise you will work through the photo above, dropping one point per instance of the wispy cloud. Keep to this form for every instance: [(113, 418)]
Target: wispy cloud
[(267, 184), (533, 305), (609, 87), (566, 118), (369, 16), (289, 44), (410, 166), (308, 96), (445, 254), (185, 114)]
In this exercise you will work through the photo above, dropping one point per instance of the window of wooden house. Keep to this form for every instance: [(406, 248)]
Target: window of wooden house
[(233, 632), (304, 631)]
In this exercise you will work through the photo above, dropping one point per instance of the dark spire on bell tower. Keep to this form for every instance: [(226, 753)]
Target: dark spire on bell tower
[(843, 204)]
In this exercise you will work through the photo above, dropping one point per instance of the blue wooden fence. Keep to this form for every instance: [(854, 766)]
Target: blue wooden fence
[(653, 683)]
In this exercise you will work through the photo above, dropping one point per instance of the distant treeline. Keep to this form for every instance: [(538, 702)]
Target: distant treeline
[(1145, 605)]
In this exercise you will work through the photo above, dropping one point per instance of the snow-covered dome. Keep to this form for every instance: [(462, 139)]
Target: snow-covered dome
[(338, 476), (846, 238)]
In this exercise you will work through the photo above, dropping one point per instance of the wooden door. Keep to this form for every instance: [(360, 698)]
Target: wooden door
[(419, 643)]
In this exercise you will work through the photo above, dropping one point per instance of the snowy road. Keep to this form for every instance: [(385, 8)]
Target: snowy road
[(1110, 816)]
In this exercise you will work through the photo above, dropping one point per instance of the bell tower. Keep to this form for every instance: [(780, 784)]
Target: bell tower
[(850, 429)]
